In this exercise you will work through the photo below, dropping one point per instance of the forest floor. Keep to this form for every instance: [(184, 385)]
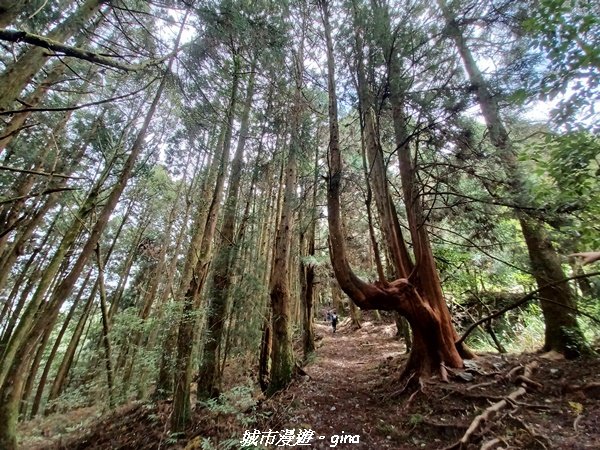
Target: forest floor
[(350, 388)]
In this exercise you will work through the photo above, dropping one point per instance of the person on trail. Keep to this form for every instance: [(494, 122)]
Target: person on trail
[(328, 317), (334, 319)]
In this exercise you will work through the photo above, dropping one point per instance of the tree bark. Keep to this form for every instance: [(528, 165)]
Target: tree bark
[(187, 332), (562, 333), (67, 360), (11, 387), (35, 407), (209, 374), (432, 350), (282, 353), (105, 328), (19, 74)]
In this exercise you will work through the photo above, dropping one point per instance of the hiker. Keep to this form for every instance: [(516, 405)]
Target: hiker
[(328, 316), (334, 320)]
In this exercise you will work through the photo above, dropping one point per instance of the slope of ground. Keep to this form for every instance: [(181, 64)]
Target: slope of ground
[(350, 390)]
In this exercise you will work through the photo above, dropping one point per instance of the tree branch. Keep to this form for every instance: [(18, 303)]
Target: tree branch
[(520, 302), (83, 105), (37, 172), (50, 44), (35, 194)]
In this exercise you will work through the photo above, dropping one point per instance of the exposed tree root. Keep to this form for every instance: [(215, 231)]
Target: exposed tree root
[(525, 380), (494, 409), (590, 389), (490, 445), (480, 385)]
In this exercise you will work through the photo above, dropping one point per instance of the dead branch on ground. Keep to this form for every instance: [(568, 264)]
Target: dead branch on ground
[(497, 407)]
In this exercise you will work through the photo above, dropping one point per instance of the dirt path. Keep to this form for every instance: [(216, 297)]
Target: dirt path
[(351, 389), (340, 397)]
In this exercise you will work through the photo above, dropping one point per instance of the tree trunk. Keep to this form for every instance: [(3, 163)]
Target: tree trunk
[(54, 73), (12, 253), (433, 346), (33, 309), (105, 327), (403, 331), (355, 315), (32, 372), (11, 388), (67, 360), (164, 384), (266, 343), (16, 77), (31, 278), (209, 374), (35, 407), (282, 353), (188, 321), (562, 334)]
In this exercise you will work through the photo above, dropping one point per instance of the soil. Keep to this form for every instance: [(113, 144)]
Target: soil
[(350, 388)]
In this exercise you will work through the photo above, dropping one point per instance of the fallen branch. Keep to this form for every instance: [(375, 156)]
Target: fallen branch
[(490, 445), (479, 385), (491, 411), (520, 302)]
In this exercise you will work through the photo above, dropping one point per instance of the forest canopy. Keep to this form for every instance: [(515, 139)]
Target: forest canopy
[(188, 186)]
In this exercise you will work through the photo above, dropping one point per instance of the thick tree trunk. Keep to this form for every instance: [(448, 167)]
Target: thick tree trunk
[(209, 374), (403, 331), (192, 297), (282, 353), (19, 74), (562, 331), (433, 346), (355, 315)]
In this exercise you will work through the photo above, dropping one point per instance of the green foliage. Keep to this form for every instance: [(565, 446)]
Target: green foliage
[(415, 419), (567, 182), (569, 32)]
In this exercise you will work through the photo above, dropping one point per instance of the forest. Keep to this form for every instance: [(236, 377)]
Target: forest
[(318, 223)]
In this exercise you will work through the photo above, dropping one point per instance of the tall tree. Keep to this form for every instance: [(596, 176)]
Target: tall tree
[(562, 331), (12, 382), (433, 346)]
